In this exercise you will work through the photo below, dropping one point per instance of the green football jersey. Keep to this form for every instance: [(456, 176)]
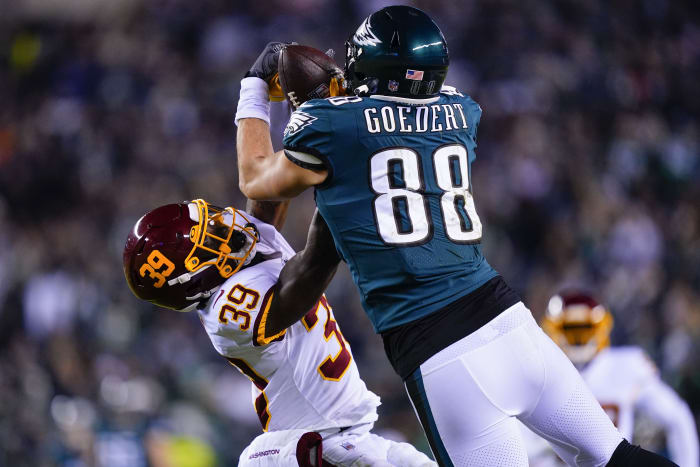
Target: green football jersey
[(398, 197)]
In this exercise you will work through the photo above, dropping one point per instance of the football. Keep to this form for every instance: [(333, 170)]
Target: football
[(306, 73)]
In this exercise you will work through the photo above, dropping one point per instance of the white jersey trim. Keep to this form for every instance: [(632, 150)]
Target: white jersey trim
[(305, 157), (405, 100)]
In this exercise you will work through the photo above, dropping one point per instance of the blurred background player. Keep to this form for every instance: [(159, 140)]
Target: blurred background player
[(623, 379)]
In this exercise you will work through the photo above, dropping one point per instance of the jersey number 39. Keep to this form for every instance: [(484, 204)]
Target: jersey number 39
[(401, 210)]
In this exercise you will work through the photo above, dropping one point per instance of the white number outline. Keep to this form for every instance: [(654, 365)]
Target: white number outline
[(447, 199), (380, 195), (340, 100), (463, 237)]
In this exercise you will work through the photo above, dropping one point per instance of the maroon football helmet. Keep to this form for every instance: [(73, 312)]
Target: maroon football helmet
[(177, 255)]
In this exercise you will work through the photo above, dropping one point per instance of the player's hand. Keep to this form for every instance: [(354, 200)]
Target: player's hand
[(265, 67)]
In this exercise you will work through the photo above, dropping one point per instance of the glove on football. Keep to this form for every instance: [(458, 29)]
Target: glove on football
[(265, 65)]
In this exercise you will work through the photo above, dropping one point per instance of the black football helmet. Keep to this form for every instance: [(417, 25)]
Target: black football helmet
[(397, 51), (177, 255)]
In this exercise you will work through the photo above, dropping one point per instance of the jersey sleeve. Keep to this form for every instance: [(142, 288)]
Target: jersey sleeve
[(307, 137), (236, 316), (662, 404)]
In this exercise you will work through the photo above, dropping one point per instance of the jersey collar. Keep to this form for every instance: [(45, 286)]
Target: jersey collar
[(405, 100)]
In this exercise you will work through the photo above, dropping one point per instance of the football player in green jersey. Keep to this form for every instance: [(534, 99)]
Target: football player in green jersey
[(390, 165)]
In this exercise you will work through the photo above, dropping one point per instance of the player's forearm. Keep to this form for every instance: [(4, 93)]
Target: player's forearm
[(271, 212), (262, 173), (254, 148), (304, 278)]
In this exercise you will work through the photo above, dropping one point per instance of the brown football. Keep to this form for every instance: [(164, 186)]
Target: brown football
[(305, 73)]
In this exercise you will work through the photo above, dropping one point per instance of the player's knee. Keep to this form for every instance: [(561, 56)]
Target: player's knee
[(627, 454)]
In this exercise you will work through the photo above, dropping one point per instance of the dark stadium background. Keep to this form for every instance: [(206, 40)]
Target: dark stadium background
[(587, 173)]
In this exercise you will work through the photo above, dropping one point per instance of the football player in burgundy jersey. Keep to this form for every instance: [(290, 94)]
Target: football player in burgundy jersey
[(224, 264), (623, 378)]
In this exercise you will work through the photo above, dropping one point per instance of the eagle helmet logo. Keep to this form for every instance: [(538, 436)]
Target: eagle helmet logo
[(365, 36)]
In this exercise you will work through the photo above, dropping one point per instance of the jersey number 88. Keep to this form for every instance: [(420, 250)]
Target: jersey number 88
[(396, 194)]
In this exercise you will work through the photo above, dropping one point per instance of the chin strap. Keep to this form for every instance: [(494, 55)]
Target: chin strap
[(186, 277), (248, 241), (201, 295), (198, 299)]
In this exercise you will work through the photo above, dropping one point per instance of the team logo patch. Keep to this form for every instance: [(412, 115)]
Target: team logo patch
[(414, 74), (269, 452), (365, 36), (297, 122), (393, 85)]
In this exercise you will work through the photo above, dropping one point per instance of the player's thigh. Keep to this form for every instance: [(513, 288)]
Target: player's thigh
[(507, 450), (567, 414), (460, 421), (272, 449)]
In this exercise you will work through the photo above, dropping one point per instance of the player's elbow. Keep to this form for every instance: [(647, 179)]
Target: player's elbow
[(251, 189), (260, 191), (245, 188)]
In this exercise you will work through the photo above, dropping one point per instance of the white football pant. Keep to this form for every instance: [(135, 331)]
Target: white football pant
[(354, 447), (468, 395)]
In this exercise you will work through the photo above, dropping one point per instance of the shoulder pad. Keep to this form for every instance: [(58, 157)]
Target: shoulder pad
[(634, 358)]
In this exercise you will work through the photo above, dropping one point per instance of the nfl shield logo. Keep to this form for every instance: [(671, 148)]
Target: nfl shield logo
[(414, 74), (393, 85)]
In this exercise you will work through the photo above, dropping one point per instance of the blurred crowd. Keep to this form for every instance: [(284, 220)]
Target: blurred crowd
[(587, 174)]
